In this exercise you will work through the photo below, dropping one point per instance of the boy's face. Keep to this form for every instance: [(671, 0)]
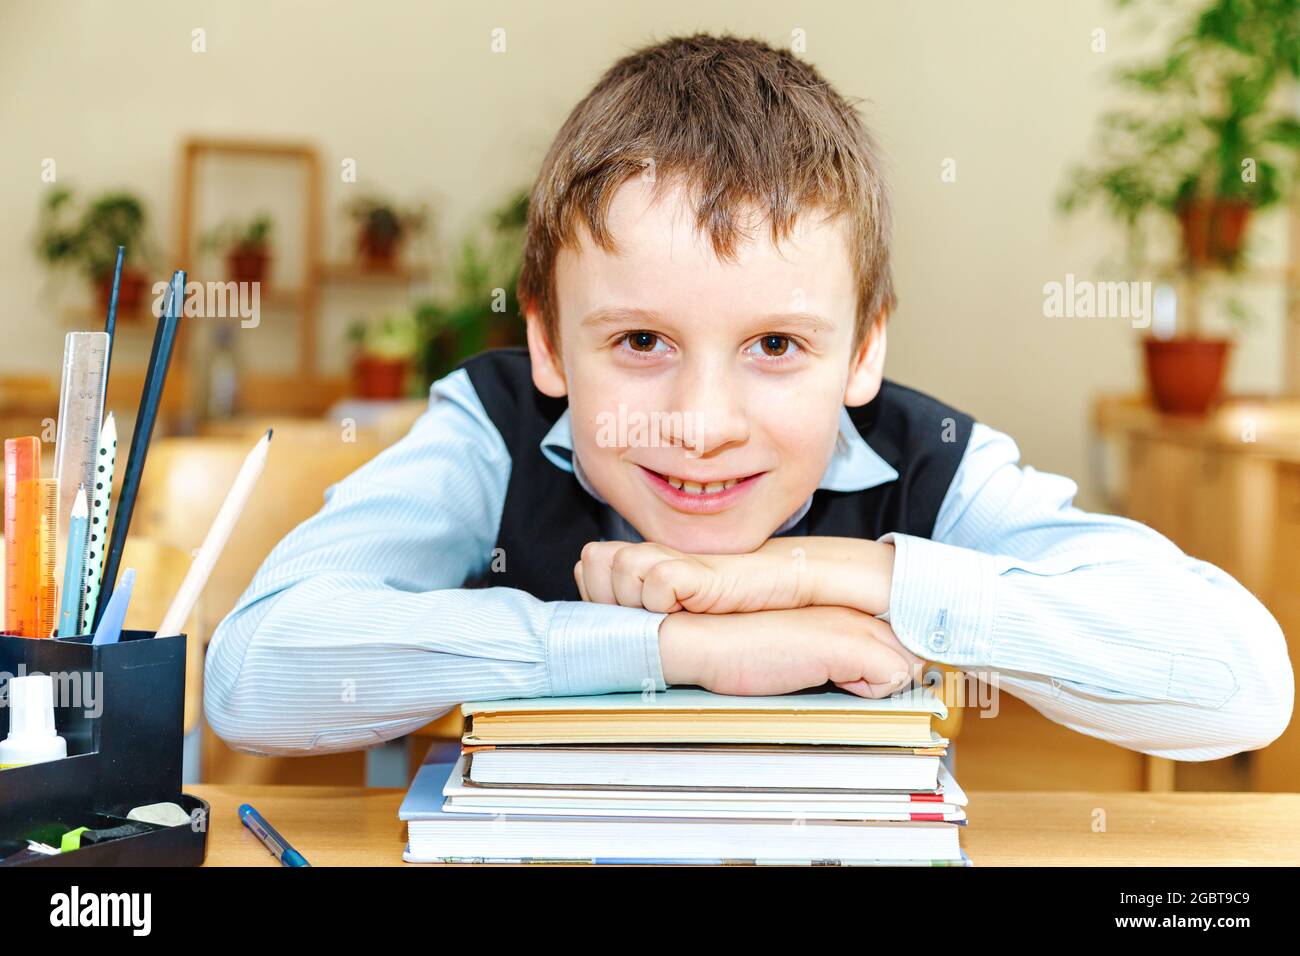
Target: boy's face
[(704, 395)]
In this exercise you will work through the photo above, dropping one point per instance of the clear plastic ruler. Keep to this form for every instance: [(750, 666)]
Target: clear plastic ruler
[(81, 411), (47, 606)]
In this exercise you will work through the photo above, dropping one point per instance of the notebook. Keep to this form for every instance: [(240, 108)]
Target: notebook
[(696, 767), (694, 715), (947, 801), (437, 836)]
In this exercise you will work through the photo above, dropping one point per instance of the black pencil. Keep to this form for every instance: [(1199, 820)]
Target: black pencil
[(155, 377), (110, 323)]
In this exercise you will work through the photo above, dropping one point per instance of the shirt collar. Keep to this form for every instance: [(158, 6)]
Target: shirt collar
[(854, 465)]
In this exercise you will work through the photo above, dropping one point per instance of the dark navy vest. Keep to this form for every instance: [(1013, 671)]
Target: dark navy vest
[(548, 516)]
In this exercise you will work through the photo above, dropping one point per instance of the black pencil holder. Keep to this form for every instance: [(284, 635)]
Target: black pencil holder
[(120, 707)]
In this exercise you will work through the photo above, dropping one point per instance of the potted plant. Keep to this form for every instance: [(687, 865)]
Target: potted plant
[(247, 248), (479, 310), (89, 243), (382, 228), (384, 354), (1208, 148)]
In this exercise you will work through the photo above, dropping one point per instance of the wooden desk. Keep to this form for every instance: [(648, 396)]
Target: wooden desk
[(353, 826)]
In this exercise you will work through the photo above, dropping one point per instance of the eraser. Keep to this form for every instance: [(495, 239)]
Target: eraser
[(163, 814)]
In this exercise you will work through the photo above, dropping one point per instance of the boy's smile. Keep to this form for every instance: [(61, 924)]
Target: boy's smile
[(705, 495), (705, 395)]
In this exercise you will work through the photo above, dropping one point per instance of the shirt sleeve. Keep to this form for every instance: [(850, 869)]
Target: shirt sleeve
[(357, 628), (1099, 622)]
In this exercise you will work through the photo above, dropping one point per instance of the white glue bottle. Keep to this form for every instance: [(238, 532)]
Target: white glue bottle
[(31, 723)]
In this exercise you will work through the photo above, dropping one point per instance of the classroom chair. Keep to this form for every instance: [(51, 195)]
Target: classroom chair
[(184, 483)]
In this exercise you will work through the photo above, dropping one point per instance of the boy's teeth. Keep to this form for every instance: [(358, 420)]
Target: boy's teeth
[(695, 488)]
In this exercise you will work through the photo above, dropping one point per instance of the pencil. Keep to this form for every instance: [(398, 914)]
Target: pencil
[(114, 616), (101, 494), (73, 567), (155, 378), (216, 539), (110, 323)]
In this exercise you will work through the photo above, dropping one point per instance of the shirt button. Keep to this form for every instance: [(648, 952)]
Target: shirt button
[(938, 639)]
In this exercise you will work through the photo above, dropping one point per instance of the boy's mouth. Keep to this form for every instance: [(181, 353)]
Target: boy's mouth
[(700, 497)]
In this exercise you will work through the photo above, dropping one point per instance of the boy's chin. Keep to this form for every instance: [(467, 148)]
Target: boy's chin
[(693, 535)]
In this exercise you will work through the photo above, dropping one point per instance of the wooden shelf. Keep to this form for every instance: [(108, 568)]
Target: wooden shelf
[(1280, 275), (359, 272), (143, 318), (304, 159)]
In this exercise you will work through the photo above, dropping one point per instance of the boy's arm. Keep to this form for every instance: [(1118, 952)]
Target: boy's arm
[(357, 628), (1099, 622)]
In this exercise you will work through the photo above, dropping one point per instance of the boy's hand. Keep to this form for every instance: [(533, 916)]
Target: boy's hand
[(658, 578), (778, 652), (784, 573)]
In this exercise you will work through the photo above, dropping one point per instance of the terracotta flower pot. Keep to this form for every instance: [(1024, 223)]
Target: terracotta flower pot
[(378, 250), (1185, 375), (1214, 231), (248, 265), (130, 293), (379, 378)]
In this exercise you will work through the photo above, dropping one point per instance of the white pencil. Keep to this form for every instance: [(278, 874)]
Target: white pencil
[(97, 540), (222, 525)]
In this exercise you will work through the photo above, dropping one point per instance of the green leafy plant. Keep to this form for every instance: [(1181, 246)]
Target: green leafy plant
[(479, 309), (394, 336), (248, 237), (382, 225), (89, 242), (1210, 141)]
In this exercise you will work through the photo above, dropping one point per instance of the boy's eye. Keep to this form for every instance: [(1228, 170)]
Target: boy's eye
[(642, 341), (776, 346)]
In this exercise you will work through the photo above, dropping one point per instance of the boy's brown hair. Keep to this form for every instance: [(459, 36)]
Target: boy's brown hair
[(743, 126)]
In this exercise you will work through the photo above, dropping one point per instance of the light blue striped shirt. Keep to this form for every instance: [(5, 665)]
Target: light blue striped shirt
[(358, 628)]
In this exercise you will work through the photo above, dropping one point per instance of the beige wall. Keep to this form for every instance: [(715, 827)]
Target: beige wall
[(412, 92)]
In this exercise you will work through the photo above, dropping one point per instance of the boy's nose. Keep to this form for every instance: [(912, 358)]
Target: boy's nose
[(713, 413)]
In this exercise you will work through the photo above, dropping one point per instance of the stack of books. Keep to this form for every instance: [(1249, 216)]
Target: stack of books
[(687, 776)]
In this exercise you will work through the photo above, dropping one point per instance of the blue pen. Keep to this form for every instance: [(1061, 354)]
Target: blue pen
[(278, 845), (74, 567), (110, 624)]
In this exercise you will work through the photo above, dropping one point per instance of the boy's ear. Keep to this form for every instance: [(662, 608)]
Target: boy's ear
[(867, 368), (548, 370)]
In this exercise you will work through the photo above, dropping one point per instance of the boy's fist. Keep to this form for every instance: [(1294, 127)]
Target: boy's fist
[(658, 578), (784, 573), (778, 652)]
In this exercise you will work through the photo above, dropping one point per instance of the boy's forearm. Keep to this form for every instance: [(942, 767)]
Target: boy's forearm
[(1143, 647), (689, 652), (683, 651), (784, 650), (339, 661), (842, 572)]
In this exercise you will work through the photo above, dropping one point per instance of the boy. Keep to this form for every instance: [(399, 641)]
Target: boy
[(696, 474)]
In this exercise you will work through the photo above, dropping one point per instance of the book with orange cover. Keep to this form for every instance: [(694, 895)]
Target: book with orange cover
[(694, 715)]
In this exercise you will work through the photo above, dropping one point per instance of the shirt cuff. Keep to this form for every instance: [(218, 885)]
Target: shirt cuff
[(603, 649), (942, 600)]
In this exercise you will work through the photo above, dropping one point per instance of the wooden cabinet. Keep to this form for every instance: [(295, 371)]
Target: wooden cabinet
[(1225, 489), (1277, 767)]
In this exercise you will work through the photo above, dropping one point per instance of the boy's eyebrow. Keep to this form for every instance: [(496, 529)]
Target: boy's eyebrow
[(615, 315), (810, 321)]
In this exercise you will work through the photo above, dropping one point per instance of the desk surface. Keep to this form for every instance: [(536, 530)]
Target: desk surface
[(353, 826)]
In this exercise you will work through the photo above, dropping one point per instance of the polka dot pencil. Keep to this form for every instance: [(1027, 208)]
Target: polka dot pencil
[(98, 537)]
